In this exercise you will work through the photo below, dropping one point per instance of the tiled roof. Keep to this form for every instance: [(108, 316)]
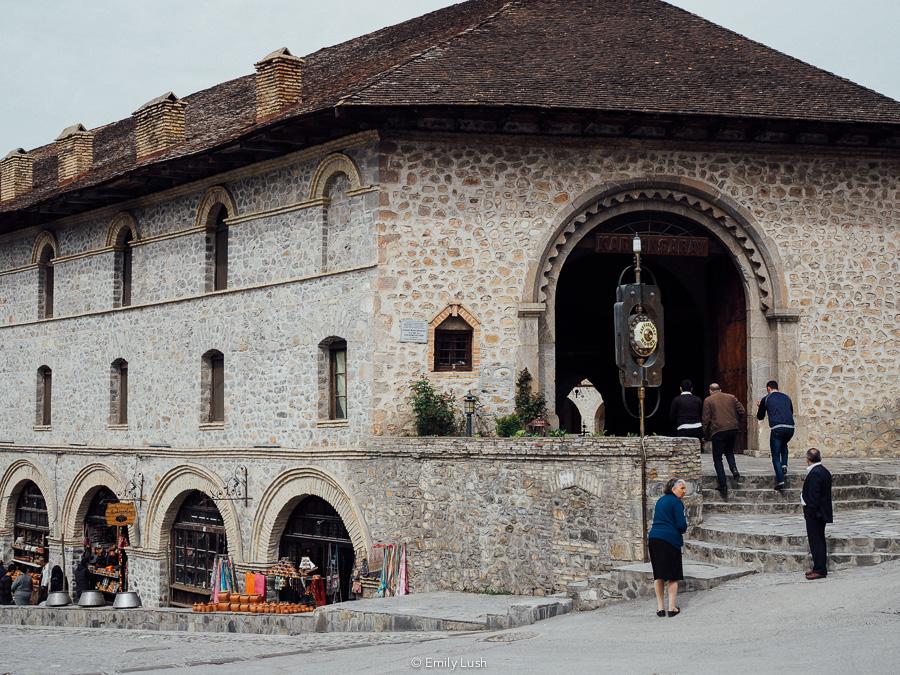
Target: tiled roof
[(599, 55)]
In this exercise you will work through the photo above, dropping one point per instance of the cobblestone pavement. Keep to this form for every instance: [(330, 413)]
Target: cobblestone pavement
[(39, 650), (877, 523)]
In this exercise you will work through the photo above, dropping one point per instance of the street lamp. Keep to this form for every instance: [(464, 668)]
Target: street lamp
[(469, 408)]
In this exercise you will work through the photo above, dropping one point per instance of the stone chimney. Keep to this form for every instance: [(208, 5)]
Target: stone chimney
[(74, 152), (15, 174), (279, 82), (158, 124)]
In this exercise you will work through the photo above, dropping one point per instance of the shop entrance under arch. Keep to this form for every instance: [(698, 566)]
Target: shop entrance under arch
[(316, 531), (197, 539), (705, 316)]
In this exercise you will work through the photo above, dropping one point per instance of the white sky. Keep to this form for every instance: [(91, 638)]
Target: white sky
[(96, 62)]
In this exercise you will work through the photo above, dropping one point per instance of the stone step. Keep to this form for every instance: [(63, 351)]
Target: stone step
[(636, 580), (777, 560), (798, 473), (788, 507), (791, 493), (793, 542)]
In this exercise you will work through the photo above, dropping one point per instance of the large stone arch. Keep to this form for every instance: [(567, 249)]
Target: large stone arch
[(167, 497), (282, 496), (14, 478), (772, 343), (78, 499)]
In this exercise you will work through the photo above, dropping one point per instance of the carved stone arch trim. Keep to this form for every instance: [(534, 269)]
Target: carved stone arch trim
[(14, 477), (215, 196), (456, 309), (285, 493), (717, 212), (122, 221), (335, 163), (78, 499), (567, 479), (43, 239), (168, 496)]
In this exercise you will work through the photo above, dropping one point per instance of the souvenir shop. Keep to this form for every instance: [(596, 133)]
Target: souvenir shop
[(315, 555), (106, 545), (198, 548), (30, 530)]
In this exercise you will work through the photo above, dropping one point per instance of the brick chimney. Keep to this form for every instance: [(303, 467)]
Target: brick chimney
[(279, 82), (15, 174), (74, 152), (158, 124)]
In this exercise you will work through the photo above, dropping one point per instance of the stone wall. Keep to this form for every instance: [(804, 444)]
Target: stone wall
[(466, 220), (521, 515)]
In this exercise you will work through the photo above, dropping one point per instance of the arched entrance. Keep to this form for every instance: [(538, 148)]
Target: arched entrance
[(107, 544), (197, 538), (705, 315), (315, 530)]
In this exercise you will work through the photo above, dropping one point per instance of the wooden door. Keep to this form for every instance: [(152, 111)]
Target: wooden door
[(729, 317)]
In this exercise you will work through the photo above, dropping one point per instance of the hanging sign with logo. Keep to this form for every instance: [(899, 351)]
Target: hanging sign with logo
[(119, 514)]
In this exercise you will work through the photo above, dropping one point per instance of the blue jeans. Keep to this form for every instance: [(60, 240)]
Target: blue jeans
[(778, 444)]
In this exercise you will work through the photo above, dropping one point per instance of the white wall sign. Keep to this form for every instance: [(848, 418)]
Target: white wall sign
[(413, 330)]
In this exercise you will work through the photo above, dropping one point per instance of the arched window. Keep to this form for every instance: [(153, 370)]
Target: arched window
[(198, 538), (44, 396), (212, 383), (453, 345), (333, 379), (217, 249), (118, 393), (45, 282), (123, 269)]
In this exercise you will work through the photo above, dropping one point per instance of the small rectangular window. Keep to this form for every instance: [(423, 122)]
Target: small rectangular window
[(221, 258), (48, 292), (126, 276), (123, 395), (452, 350)]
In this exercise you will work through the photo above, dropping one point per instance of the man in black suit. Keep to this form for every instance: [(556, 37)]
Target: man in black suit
[(816, 500)]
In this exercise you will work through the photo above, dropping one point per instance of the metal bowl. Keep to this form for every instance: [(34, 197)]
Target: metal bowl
[(58, 599), (91, 599), (127, 600)]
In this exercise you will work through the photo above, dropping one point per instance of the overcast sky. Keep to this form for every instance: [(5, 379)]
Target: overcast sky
[(97, 61)]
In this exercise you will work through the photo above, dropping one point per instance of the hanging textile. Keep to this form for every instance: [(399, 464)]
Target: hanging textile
[(259, 584), (403, 576), (249, 583)]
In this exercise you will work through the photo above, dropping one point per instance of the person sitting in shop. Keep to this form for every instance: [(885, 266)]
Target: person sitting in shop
[(82, 576), (5, 586), (21, 587)]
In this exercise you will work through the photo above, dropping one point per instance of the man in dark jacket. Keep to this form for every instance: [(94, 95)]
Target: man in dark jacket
[(82, 576), (723, 418), (685, 412), (780, 410), (816, 500), (5, 586)]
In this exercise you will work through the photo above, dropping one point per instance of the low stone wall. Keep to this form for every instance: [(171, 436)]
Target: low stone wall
[(523, 515)]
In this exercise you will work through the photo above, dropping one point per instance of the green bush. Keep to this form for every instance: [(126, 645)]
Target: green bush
[(508, 426), (529, 407), (435, 414)]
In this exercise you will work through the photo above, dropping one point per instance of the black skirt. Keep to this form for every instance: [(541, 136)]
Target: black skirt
[(666, 560)]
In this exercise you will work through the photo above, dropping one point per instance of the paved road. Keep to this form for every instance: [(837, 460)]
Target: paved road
[(847, 623)]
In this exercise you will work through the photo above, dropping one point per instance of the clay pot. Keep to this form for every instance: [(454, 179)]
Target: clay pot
[(244, 607), (255, 599), (234, 606), (222, 606), (224, 597), (243, 597)]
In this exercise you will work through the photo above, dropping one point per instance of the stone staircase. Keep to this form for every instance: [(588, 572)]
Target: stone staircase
[(762, 528)]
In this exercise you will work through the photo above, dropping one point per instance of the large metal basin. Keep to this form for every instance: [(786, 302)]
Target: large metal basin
[(127, 600), (58, 599), (91, 599)]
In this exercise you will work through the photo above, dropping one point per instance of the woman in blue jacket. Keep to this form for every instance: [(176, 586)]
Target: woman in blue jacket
[(665, 543)]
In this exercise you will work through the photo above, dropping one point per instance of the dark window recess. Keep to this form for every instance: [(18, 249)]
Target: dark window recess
[(120, 392), (453, 345), (198, 536), (220, 255), (45, 395), (45, 270), (96, 529), (31, 524), (126, 270), (337, 358), (217, 388)]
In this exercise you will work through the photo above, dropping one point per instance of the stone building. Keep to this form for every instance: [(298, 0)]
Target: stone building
[(215, 308)]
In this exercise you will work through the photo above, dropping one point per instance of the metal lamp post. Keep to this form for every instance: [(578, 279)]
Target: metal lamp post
[(469, 408)]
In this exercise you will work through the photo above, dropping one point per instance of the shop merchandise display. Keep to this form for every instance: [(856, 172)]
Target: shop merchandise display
[(394, 573), (254, 604)]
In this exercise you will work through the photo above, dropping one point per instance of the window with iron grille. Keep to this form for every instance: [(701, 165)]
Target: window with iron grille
[(198, 536), (453, 345)]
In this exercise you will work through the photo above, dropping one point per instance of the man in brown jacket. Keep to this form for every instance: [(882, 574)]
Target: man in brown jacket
[(723, 418)]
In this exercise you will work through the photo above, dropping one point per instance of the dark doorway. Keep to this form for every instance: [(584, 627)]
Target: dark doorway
[(315, 530), (705, 320), (197, 539)]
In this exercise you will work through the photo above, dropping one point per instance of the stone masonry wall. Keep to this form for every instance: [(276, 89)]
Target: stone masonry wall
[(521, 515), (463, 217)]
